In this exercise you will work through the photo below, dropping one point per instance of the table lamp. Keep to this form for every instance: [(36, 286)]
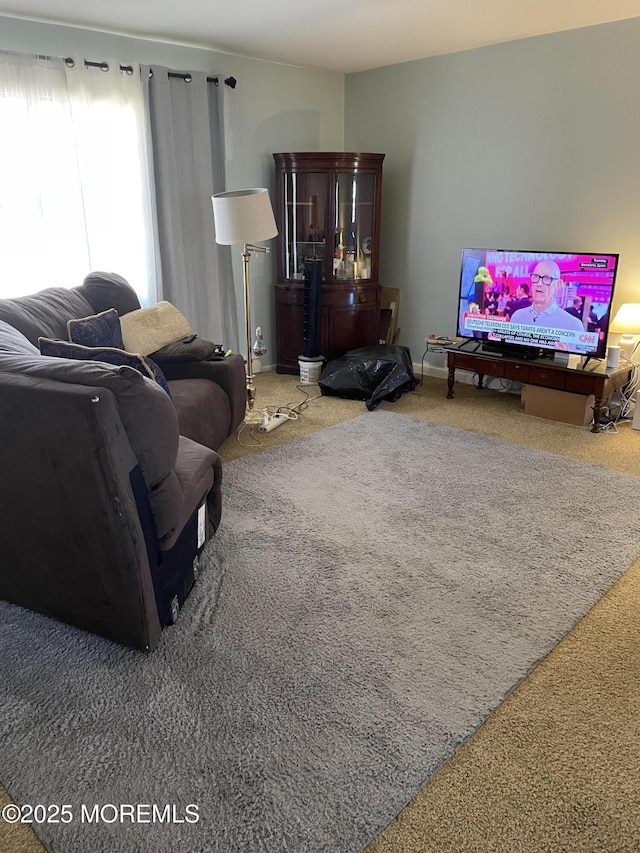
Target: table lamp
[(244, 217), (626, 323)]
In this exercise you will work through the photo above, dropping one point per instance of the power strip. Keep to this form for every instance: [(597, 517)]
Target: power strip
[(271, 422)]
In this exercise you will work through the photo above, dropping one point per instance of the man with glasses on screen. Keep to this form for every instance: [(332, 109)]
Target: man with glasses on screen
[(544, 310)]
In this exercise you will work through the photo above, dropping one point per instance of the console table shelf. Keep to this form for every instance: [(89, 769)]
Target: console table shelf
[(594, 377)]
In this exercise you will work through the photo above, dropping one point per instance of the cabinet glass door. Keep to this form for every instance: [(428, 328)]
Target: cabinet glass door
[(305, 220), (353, 226)]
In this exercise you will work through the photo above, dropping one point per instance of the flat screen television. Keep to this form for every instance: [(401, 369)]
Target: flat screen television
[(526, 303)]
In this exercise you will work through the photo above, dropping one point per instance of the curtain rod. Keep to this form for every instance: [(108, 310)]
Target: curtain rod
[(231, 82)]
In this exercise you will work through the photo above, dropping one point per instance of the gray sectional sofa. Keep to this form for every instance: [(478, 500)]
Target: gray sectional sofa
[(110, 486)]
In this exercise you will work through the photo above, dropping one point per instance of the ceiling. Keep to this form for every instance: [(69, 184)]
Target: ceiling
[(339, 35)]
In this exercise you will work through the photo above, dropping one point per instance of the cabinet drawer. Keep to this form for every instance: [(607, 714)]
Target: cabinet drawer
[(585, 384), (489, 367), (546, 377), (492, 368), (331, 296), (288, 296), (342, 297), (519, 372), (366, 296)]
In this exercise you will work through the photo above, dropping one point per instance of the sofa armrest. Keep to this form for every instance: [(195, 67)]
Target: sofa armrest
[(228, 373), (71, 539)]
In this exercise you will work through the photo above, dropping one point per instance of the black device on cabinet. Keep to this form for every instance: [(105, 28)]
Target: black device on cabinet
[(312, 308)]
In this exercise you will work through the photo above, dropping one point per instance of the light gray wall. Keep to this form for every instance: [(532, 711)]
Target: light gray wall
[(534, 144), (273, 108), (531, 144)]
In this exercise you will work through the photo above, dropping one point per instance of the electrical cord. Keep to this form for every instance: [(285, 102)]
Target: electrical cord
[(443, 345), (257, 442), (628, 393), (424, 355), (287, 411), (627, 403), (302, 405), (294, 408)]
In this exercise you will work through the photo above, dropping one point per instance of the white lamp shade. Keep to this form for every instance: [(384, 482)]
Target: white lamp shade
[(627, 319), (243, 216)]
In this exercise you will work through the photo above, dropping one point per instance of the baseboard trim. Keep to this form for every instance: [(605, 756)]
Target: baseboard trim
[(443, 373)]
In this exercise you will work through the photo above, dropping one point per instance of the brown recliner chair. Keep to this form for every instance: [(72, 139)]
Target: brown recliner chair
[(106, 502)]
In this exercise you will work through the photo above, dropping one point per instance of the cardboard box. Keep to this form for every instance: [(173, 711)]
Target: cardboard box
[(558, 405)]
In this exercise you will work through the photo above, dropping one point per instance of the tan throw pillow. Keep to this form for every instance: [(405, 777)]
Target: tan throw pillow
[(148, 329)]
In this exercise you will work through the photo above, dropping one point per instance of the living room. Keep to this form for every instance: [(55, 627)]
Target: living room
[(530, 143)]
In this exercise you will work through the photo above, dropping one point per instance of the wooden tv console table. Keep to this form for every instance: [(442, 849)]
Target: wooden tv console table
[(594, 378)]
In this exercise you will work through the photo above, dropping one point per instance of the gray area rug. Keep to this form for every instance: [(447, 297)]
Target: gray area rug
[(374, 592)]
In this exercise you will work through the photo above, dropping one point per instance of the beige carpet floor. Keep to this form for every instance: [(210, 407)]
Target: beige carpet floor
[(557, 766)]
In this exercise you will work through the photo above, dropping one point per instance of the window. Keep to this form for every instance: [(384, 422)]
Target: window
[(75, 190)]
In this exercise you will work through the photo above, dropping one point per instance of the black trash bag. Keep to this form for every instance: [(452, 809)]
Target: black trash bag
[(372, 374)]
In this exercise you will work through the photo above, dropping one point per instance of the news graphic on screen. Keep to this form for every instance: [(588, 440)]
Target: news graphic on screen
[(536, 300)]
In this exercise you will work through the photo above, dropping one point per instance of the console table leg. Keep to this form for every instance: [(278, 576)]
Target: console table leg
[(450, 382), (597, 413)]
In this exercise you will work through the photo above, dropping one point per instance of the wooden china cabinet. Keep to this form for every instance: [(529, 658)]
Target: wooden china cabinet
[(328, 207)]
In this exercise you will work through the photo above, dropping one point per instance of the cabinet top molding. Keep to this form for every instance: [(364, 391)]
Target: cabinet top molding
[(329, 159)]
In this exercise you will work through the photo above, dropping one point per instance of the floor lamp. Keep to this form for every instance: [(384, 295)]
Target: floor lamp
[(244, 217)]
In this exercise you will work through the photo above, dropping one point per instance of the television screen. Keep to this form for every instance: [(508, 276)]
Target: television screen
[(532, 301)]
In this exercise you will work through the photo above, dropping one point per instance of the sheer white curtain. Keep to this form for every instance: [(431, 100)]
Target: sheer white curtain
[(75, 189)]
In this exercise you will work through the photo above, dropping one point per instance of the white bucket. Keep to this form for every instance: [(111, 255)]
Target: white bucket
[(310, 369)]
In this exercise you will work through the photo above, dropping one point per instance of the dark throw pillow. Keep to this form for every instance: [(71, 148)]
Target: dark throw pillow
[(198, 349), (111, 355), (99, 330)]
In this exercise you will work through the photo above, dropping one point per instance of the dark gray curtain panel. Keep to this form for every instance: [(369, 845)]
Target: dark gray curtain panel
[(186, 128)]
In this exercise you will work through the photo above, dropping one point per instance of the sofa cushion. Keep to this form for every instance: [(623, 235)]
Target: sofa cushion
[(11, 340), (228, 373), (148, 329), (110, 355), (108, 290), (46, 313), (174, 500), (98, 330), (203, 409), (146, 412)]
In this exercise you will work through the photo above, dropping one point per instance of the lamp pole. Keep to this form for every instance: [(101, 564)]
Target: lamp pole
[(251, 417)]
